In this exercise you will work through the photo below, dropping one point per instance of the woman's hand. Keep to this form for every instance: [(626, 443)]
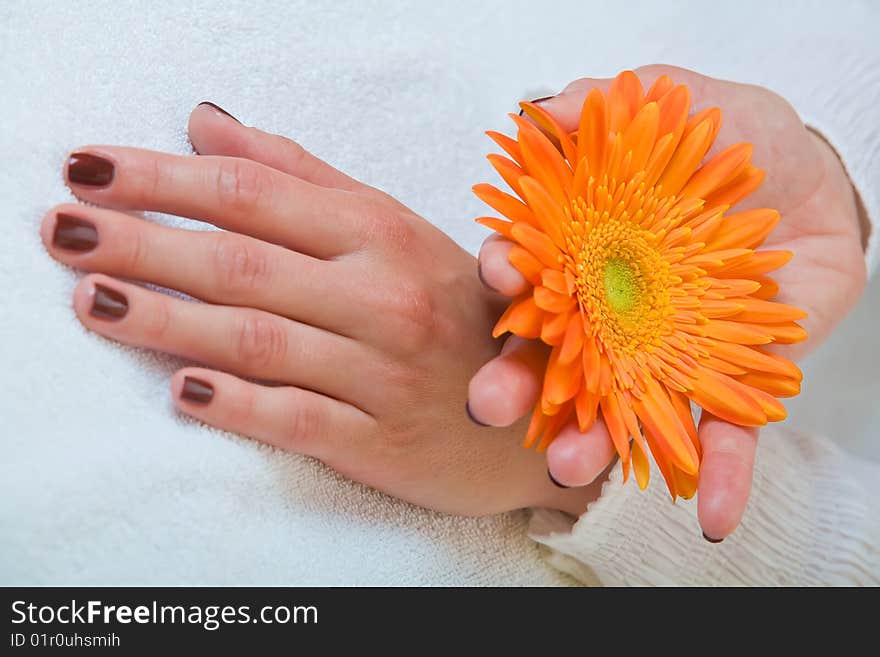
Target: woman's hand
[(371, 319), (806, 183)]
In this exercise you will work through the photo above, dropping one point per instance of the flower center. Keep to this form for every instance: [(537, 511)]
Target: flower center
[(620, 285), (620, 277)]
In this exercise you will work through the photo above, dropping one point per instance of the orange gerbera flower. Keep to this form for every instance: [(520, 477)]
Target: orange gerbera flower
[(648, 292)]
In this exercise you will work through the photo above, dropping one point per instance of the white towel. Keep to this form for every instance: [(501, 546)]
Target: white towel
[(100, 481)]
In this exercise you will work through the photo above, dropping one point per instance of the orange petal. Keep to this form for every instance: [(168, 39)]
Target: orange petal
[(573, 341), (554, 426), (509, 172), (593, 132), (641, 134), (662, 86), (727, 399), (510, 207), (553, 302), (660, 156), (768, 288), (510, 146), (617, 429), (553, 328), (541, 246), (777, 386), (591, 364), (543, 162), (736, 190), (555, 280), (659, 417), (662, 461), (687, 157), (548, 212), (756, 359), (537, 425), (498, 225), (760, 263), (625, 96), (682, 406), (526, 264), (711, 113), (745, 229), (641, 467), (685, 484), (718, 171), (759, 311), (549, 124), (674, 109), (561, 380), (522, 318), (586, 404), (782, 333), (736, 332)]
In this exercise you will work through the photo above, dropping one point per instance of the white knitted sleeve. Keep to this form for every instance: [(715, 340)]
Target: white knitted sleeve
[(812, 519)]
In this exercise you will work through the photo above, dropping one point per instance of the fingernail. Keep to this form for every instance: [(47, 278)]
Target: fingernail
[(467, 408), (556, 483), (108, 304), (74, 234), (90, 170), (219, 109), (536, 101), (712, 540), (480, 275), (196, 390)]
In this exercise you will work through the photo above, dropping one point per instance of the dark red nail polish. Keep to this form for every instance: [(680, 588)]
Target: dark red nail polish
[(108, 304), (556, 483), (219, 109), (74, 234), (196, 390), (89, 170), (467, 408), (538, 100), (712, 540)]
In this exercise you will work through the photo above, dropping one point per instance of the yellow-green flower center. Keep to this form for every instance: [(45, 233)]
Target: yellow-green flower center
[(621, 287), (620, 277)]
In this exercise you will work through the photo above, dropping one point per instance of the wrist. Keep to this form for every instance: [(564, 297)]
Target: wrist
[(835, 166)]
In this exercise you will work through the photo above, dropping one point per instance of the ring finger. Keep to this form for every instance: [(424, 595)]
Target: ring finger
[(244, 341), (219, 266)]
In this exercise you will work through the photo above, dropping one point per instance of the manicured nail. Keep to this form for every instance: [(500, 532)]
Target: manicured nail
[(196, 390), (467, 408), (108, 304), (74, 234), (538, 100), (90, 170), (712, 540), (219, 109), (556, 483)]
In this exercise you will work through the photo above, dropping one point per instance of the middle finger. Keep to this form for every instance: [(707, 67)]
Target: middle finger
[(233, 193)]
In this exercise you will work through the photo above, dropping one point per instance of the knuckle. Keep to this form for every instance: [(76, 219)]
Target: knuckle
[(134, 251), (306, 421), (414, 311), (240, 409), (241, 185), (157, 321), (240, 265), (260, 341), (388, 227)]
